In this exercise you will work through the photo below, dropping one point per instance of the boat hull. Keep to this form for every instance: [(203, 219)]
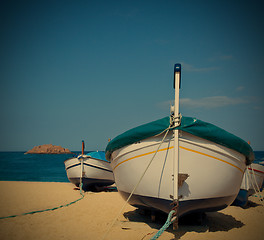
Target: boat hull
[(214, 173), (253, 180), (95, 172), (187, 206)]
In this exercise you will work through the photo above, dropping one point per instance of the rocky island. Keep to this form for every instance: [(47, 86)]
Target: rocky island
[(48, 149)]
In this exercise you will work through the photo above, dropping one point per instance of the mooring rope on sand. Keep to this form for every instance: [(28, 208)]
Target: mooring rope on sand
[(165, 226), (48, 209)]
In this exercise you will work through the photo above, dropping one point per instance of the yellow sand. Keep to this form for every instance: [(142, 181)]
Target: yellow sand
[(90, 217)]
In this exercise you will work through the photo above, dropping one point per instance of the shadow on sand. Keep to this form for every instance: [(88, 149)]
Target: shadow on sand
[(251, 204), (195, 222), (98, 189)]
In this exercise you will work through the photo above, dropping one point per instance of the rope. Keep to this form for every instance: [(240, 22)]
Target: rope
[(136, 185), (254, 181), (257, 189), (48, 209), (165, 226)]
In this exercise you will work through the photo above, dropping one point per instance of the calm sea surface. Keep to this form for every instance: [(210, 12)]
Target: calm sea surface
[(17, 166)]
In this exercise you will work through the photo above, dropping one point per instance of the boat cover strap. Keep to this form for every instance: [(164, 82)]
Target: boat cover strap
[(190, 125)]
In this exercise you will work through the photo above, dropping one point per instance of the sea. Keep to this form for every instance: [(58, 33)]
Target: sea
[(18, 166)]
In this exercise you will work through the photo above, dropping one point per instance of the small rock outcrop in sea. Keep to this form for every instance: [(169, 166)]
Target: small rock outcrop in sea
[(48, 149)]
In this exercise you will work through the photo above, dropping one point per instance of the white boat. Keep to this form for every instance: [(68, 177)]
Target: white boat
[(252, 183), (209, 162), (253, 178), (93, 170)]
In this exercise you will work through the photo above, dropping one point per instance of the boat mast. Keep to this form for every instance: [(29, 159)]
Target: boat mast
[(177, 83), (82, 147)]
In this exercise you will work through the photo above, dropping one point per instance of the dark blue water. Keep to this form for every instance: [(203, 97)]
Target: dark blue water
[(17, 166), (259, 157)]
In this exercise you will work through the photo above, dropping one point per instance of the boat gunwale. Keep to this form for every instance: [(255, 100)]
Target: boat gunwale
[(182, 139), (87, 157), (88, 165)]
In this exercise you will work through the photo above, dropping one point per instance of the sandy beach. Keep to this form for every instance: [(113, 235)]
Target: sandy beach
[(90, 217)]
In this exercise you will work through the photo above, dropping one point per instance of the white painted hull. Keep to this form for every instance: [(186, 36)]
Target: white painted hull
[(96, 172), (215, 173), (253, 178)]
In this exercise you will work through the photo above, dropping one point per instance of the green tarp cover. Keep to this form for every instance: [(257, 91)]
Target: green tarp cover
[(188, 124)]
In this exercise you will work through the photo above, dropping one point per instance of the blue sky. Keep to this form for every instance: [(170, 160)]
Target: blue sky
[(90, 70)]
